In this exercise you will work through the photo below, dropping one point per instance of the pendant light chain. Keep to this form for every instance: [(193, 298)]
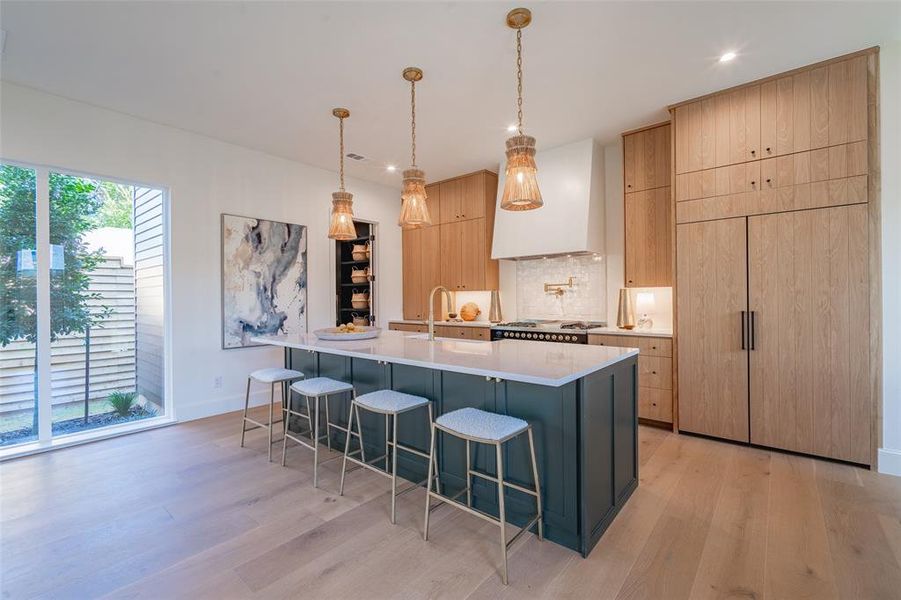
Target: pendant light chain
[(413, 122), (341, 150), (519, 78)]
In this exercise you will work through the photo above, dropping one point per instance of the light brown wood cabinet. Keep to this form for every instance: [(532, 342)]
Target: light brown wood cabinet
[(646, 158), (712, 301), (810, 356), (648, 238), (655, 372), (773, 294), (466, 332), (456, 250), (813, 108), (648, 207), (421, 270)]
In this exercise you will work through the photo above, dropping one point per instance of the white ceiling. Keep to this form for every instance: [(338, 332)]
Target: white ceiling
[(266, 74)]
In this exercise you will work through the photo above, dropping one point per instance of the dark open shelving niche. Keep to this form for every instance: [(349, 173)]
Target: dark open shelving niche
[(344, 286)]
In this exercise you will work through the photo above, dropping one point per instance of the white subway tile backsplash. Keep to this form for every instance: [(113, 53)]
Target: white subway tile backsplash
[(586, 300)]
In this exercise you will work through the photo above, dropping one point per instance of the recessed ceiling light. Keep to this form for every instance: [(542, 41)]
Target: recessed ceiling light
[(511, 128), (391, 168), (727, 57)]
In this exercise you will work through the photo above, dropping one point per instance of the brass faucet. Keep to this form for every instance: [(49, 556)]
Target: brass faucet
[(450, 303), (557, 288)]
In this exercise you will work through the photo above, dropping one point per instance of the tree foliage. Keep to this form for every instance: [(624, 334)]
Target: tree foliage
[(74, 205)]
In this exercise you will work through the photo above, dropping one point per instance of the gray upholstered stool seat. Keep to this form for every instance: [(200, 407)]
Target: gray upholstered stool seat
[(275, 375), (390, 402), (320, 386), (475, 423), (271, 376)]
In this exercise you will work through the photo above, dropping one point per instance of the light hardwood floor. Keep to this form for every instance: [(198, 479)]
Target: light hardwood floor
[(183, 512)]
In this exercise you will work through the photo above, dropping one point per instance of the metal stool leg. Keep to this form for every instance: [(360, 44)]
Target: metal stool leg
[(537, 486), (503, 514), (244, 418), (428, 485), (394, 474), (316, 446), (328, 431), (285, 437), (271, 405), (350, 424), (468, 476)]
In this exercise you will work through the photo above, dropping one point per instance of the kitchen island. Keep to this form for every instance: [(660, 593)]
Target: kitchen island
[(580, 400)]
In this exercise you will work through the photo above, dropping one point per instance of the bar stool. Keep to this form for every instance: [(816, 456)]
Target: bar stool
[(315, 388), (391, 404), (271, 376), (481, 427)]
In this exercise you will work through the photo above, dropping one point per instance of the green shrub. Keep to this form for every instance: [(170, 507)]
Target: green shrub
[(122, 402)]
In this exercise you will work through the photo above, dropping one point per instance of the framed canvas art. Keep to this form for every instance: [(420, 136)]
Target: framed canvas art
[(264, 279)]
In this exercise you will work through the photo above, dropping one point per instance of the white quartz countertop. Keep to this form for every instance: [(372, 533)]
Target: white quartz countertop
[(665, 333), (545, 363)]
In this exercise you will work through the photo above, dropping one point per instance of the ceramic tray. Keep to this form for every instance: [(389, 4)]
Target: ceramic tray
[(360, 333)]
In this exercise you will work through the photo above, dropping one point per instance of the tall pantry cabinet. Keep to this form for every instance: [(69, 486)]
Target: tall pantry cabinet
[(776, 184)]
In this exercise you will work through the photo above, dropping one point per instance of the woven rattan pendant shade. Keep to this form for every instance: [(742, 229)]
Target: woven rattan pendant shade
[(341, 225), (414, 209), (521, 178)]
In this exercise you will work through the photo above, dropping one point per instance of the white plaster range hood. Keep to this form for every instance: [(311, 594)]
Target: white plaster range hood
[(571, 179)]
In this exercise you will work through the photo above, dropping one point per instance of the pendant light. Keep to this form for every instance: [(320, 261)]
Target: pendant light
[(341, 226), (521, 181), (414, 211)]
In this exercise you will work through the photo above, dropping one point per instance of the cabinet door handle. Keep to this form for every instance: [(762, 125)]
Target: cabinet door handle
[(752, 328), (753, 152), (743, 332), (769, 181), (768, 150)]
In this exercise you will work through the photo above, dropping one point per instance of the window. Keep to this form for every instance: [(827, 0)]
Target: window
[(91, 355)]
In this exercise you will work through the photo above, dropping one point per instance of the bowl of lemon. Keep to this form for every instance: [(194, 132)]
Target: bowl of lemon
[(346, 332)]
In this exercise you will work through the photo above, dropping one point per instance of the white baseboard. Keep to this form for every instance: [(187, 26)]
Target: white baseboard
[(218, 406), (890, 461)]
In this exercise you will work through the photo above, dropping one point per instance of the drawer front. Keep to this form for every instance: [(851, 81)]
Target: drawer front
[(449, 331), (650, 346), (655, 404), (479, 333), (408, 327), (722, 181), (835, 162), (817, 194), (655, 372)]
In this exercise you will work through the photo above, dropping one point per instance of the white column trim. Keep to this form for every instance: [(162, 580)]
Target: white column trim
[(44, 391)]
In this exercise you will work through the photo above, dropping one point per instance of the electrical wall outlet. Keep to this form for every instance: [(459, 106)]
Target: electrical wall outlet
[(217, 382)]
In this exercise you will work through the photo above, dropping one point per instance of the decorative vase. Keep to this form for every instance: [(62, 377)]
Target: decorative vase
[(494, 313), (469, 311), (625, 316)]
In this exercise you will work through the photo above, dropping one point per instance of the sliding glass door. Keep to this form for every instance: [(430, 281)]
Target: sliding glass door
[(100, 265), (18, 306)]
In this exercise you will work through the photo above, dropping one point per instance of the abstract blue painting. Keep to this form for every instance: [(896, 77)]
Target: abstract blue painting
[(264, 279)]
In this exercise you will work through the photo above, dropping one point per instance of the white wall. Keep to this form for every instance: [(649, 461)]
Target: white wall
[(890, 140), (205, 177)]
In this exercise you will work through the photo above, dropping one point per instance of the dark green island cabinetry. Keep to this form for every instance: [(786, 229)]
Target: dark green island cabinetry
[(585, 435)]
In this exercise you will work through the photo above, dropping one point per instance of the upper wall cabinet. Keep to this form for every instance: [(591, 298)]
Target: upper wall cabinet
[(463, 198), (813, 109), (809, 109), (646, 159), (648, 211), (738, 126)]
